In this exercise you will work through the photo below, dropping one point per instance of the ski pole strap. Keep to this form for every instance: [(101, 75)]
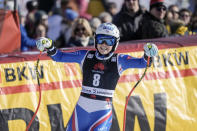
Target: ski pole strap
[(127, 100)]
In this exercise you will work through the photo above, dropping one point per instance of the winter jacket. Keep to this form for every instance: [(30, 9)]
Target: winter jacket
[(151, 27), (127, 24), (26, 42)]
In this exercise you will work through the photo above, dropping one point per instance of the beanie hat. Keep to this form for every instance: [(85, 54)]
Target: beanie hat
[(156, 3), (71, 14)]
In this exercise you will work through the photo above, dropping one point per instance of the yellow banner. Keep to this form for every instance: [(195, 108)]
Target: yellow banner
[(165, 100)]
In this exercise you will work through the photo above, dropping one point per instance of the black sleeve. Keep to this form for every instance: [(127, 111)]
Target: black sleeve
[(51, 50)]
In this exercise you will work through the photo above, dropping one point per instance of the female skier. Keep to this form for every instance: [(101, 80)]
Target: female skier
[(101, 70)]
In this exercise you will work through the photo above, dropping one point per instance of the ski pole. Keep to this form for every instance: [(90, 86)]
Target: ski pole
[(127, 100), (39, 88)]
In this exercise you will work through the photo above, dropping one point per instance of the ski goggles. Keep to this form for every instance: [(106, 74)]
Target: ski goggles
[(109, 40)]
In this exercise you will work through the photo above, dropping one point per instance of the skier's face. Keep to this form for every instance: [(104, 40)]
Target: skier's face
[(105, 43), (104, 48)]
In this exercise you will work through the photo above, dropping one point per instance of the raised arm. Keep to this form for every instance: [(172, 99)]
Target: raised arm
[(126, 61), (57, 55)]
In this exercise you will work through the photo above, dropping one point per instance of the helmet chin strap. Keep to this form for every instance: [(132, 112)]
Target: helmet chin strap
[(103, 57), (106, 56)]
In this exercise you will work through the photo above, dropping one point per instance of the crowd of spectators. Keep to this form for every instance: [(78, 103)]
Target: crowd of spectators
[(71, 24)]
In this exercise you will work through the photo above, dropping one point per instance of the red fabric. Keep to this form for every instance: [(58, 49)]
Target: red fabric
[(155, 1), (101, 121), (10, 36), (83, 6), (73, 122)]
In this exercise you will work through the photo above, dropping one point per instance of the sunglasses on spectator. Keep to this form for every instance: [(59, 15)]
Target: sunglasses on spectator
[(161, 8), (185, 15), (109, 40), (175, 12), (80, 29)]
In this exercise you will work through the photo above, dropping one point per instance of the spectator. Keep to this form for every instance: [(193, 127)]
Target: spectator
[(194, 24), (40, 31), (26, 42), (64, 6), (68, 4), (46, 5), (175, 27), (81, 34), (54, 24), (94, 23), (9, 5), (194, 19), (143, 8), (127, 20), (95, 7), (168, 21), (41, 17), (70, 17), (105, 17), (83, 6), (171, 23), (185, 15), (175, 11), (32, 7), (112, 8), (2, 4), (178, 28), (152, 25), (65, 28)]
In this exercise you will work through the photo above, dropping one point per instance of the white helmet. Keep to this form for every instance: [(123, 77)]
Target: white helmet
[(108, 29)]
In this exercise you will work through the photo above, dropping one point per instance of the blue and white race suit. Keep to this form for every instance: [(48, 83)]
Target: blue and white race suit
[(93, 111)]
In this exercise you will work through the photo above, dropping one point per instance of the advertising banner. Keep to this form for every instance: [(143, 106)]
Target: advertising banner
[(165, 100)]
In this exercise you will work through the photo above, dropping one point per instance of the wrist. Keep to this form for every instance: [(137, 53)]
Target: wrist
[(150, 59), (145, 56), (51, 51)]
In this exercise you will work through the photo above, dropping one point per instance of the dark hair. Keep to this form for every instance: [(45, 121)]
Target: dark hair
[(64, 2), (171, 6), (111, 5), (31, 5), (185, 10)]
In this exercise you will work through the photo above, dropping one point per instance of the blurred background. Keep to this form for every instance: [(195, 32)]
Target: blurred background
[(72, 23)]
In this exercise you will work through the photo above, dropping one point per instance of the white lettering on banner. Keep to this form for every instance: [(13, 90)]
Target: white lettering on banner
[(97, 91), (172, 59)]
